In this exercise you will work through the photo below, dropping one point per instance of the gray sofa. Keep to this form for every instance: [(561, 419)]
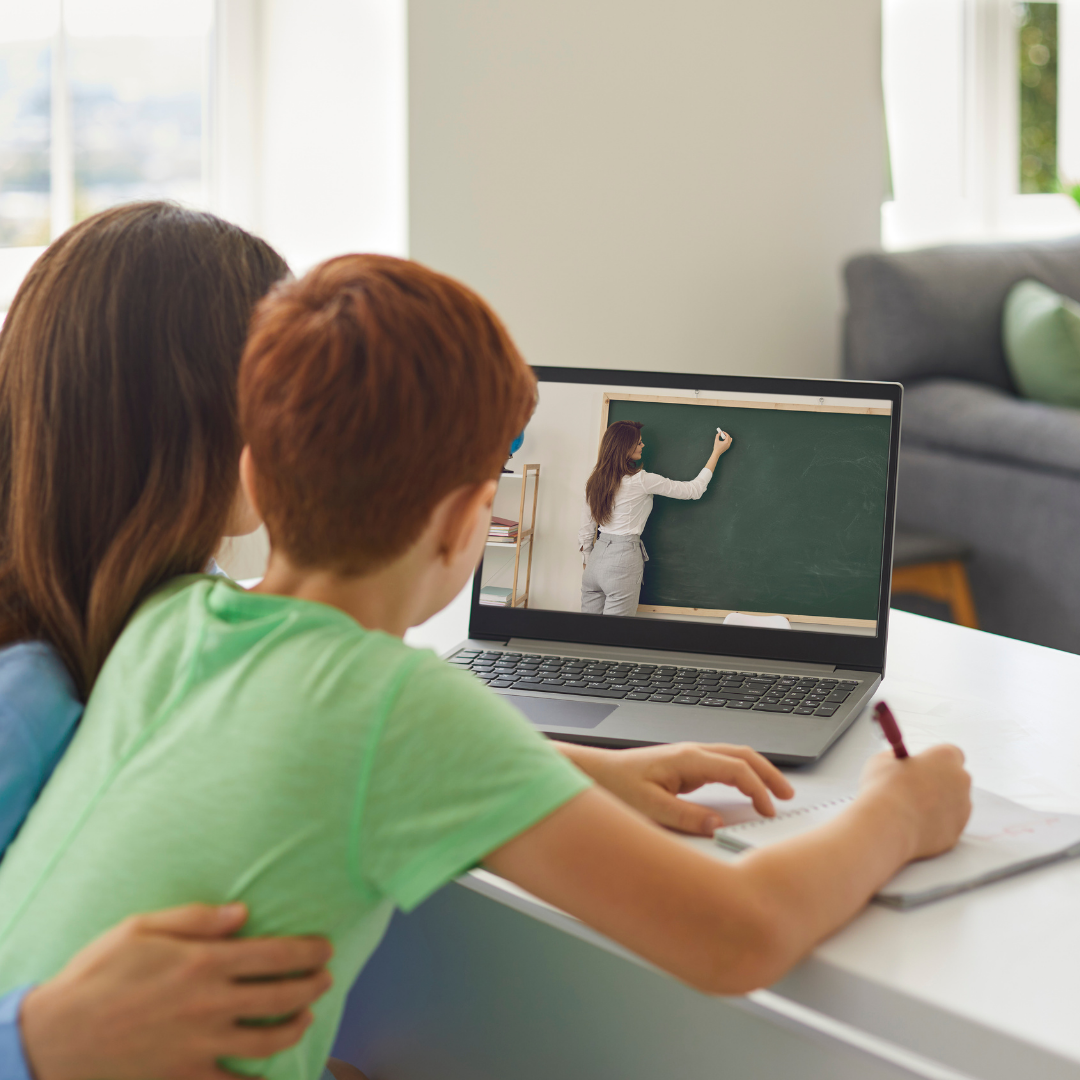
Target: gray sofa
[(976, 461)]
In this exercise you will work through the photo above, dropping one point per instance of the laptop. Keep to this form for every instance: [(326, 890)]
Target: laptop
[(761, 608)]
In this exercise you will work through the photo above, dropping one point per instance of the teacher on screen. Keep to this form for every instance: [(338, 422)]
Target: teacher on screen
[(618, 502)]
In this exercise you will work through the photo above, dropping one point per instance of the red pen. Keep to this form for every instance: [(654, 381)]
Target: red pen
[(883, 715)]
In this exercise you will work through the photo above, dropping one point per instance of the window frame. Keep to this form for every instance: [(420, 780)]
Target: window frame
[(230, 132), (979, 199)]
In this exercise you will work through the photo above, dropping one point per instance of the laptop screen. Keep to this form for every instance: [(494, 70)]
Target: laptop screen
[(617, 505)]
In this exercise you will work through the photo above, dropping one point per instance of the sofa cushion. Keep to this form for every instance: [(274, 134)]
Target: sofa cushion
[(937, 312), (1041, 331), (982, 421)]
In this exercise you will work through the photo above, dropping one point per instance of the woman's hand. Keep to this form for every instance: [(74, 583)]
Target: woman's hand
[(720, 446), (161, 995), (650, 778)]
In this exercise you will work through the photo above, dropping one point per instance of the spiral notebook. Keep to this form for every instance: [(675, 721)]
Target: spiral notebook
[(1002, 838)]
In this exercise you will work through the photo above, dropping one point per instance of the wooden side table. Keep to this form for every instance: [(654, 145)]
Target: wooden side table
[(934, 566)]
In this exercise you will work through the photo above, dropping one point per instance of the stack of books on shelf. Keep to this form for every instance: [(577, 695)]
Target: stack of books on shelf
[(493, 596), (503, 531)]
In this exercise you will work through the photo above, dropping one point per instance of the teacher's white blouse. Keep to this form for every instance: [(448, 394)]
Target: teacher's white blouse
[(634, 501)]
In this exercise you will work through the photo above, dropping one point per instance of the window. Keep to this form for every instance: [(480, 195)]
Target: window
[(24, 133), (1038, 60), (101, 101), (982, 103)]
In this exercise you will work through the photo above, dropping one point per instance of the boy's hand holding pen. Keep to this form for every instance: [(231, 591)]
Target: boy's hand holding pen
[(930, 790)]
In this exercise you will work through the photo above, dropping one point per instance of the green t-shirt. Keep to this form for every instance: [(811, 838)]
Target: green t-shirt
[(260, 748)]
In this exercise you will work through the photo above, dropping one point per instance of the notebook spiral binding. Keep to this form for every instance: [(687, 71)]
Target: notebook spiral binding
[(790, 814)]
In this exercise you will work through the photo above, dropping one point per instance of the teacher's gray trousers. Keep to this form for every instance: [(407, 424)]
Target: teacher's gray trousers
[(611, 583)]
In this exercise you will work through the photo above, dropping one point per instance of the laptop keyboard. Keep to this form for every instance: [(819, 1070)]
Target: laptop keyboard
[(718, 689)]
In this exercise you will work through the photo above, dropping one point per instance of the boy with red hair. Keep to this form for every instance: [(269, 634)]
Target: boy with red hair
[(286, 748)]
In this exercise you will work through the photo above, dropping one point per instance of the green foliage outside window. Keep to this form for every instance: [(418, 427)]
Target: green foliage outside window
[(1038, 98)]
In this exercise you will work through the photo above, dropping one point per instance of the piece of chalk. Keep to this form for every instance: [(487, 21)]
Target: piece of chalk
[(720, 433)]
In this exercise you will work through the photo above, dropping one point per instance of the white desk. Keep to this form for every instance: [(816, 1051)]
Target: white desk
[(486, 982)]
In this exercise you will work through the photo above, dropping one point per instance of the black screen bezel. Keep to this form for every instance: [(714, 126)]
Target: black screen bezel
[(842, 650)]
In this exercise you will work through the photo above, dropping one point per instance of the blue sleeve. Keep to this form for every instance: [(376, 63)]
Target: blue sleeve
[(38, 715), (12, 1057), (27, 759)]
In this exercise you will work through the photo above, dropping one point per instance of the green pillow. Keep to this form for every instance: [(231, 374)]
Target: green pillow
[(1041, 332)]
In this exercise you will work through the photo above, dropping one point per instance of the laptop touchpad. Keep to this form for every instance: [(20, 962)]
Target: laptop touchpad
[(548, 712)]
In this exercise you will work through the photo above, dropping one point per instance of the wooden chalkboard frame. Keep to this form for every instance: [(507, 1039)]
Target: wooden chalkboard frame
[(847, 651), (719, 613), (742, 403)]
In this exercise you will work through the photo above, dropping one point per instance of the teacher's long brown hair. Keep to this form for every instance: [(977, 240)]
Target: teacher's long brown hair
[(612, 464), (118, 433)]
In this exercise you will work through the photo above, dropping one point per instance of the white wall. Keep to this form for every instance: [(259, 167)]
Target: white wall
[(333, 139), (667, 186)]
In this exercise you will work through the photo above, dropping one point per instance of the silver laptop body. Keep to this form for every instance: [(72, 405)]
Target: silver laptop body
[(762, 617)]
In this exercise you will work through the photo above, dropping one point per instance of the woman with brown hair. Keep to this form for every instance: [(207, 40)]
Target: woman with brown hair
[(118, 447), (618, 502), (118, 471)]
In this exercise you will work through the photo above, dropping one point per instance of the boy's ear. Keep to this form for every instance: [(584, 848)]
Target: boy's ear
[(247, 478), (464, 507), (243, 516)]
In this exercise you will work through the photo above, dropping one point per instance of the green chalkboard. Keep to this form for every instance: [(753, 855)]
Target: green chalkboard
[(791, 523)]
